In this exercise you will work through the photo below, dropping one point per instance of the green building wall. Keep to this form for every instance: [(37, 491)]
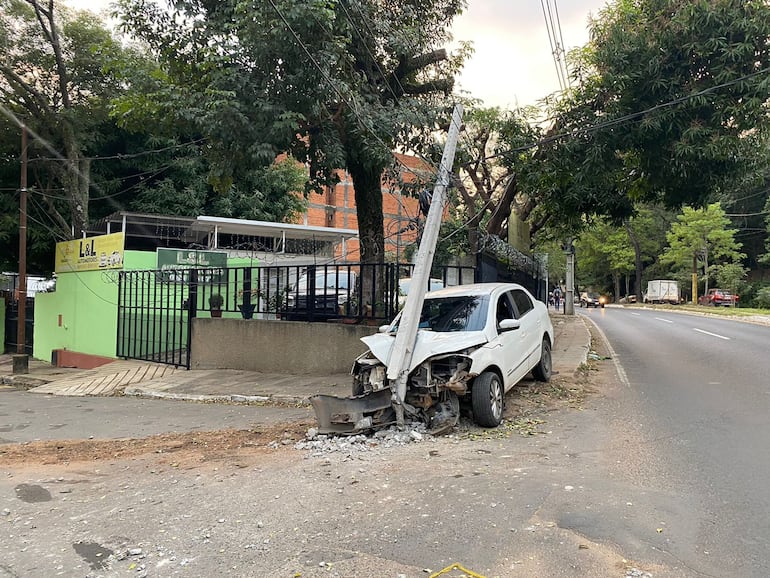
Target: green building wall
[(82, 314)]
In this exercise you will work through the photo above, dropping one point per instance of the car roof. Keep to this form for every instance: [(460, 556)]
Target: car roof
[(474, 289)]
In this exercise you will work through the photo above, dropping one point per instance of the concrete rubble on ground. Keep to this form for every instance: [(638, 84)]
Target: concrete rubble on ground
[(320, 444)]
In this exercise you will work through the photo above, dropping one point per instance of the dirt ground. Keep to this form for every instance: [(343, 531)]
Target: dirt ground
[(525, 409)]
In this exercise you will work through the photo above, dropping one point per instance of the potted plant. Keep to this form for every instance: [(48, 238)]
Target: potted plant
[(215, 304), (246, 307)]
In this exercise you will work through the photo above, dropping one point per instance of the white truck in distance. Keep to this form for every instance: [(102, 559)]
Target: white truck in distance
[(662, 291)]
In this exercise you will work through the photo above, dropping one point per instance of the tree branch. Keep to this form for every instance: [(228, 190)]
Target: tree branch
[(503, 208), (444, 85), (14, 78)]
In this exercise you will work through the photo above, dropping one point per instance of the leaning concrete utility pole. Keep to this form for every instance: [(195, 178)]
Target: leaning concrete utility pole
[(403, 347)]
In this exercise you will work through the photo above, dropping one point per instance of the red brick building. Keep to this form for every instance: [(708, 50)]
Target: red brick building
[(337, 208)]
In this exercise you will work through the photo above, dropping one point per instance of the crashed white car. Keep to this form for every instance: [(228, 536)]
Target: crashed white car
[(474, 343)]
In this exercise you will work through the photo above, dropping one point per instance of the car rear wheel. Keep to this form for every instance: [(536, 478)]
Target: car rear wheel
[(543, 369), (487, 399)]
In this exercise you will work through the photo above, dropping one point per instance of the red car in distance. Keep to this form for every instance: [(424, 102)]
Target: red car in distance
[(718, 298)]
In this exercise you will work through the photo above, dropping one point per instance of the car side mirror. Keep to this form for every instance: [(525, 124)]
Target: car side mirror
[(383, 328), (509, 324)]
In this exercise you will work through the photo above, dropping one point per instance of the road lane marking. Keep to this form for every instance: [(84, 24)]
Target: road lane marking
[(666, 320), (712, 334), (637, 314)]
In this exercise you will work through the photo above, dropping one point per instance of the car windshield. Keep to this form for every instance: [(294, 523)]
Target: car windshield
[(460, 313)]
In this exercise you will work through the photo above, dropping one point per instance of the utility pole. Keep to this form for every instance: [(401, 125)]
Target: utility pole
[(403, 347), (569, 291), (21, 359)]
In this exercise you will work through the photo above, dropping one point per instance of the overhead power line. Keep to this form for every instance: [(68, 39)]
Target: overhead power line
[(556, 41)]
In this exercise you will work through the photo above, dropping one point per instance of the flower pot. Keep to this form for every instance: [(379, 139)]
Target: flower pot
[(247, 310), (216, 313)]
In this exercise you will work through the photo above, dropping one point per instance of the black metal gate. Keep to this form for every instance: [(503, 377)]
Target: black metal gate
[(12, 324), (154, 315)]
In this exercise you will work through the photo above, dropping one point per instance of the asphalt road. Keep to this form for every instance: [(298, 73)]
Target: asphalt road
[(699, 387)]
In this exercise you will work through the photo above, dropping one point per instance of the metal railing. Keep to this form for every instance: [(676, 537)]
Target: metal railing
[(155, 307), (347, 292)]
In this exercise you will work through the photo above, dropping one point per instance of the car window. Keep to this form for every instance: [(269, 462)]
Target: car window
[(504, 308), (462, 313), (522, 301)]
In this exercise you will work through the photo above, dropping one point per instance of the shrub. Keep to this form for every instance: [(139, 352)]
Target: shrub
[(762, 300)]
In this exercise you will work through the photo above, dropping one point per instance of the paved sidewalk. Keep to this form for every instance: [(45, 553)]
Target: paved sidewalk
[(137, 378)]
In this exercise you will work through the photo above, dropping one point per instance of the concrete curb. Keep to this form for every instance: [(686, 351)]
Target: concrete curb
[(210, 398)]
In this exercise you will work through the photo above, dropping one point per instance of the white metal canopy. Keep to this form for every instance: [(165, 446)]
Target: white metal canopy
[(224, 225)]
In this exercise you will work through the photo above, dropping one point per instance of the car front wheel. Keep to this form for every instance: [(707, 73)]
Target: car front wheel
[(487, 399), (542, 371)]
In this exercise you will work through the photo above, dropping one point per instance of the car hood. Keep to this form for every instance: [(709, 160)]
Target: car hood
[(428, 344)]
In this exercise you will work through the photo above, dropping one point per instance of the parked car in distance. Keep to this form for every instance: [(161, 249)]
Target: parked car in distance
[(333, 289), (592, 299), (474, 343), (405, 284), (718, 298)]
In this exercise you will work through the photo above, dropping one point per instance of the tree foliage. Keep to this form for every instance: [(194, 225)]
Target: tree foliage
[(338, 84), (668, 105), (604, 249), (56, 76), (701, 239)]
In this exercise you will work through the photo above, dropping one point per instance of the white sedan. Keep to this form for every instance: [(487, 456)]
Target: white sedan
[(475, 343)]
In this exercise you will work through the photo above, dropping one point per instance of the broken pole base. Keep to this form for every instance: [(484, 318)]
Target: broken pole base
[(399, 415), (20, 364)]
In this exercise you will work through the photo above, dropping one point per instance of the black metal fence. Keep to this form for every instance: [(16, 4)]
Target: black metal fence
[(355, 292), (155, 308)]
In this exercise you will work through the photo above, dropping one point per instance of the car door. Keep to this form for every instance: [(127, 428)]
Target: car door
[(513, 343), (531, 327)]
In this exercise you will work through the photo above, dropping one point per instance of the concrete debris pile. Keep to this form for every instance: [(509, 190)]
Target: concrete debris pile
[(320, 444)]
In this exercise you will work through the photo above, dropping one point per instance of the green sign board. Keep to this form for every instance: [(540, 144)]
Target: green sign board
[(175, 262)]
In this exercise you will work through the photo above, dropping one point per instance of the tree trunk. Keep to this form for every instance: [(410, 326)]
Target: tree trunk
[(637, 260), (76, 181), (368, 187)]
